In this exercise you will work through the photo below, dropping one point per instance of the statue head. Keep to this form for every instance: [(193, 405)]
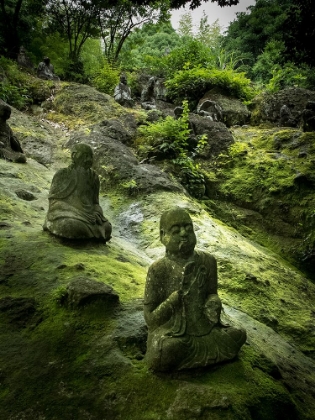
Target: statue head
[(177, 232), (82, 156), (123, 79), (46, 60), (5, 112)]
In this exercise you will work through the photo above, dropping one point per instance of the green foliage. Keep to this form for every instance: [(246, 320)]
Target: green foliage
[(271, 56), (118, 22), (53, 46), (185, 25), (290, 75), (190, 54), (106, 78), (92, 57), (169, 138), (194, 83), (18, 24), (20, 88), (74, 70), (250, 32), (13, 89), (145, 48), (131, 187), (298, 32)]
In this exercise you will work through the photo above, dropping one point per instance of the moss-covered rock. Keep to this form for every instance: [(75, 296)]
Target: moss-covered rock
[(272, 172), (265, 108)]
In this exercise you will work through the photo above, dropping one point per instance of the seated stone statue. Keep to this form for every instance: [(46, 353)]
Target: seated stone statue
[(10, 148), (181, 305), (308, 117), (23, 59), (74, 211), (45, 70), (148, 95), (122, 93)]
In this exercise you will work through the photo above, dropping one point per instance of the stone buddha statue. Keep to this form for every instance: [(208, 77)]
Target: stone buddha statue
[(181, 305), (148, 95), (122, 92), (45, 70), (74, 211), (10, 148)]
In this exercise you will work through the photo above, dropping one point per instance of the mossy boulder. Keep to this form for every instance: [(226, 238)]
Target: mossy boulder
[(234, 112), (265, 108), (218, 137), (118, 165)]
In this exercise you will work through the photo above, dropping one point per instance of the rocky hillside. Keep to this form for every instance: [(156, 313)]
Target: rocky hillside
[(72, 333)]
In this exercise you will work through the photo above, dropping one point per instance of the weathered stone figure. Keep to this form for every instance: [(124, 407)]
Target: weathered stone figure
[(181, 305), (45, 70), (23, 59), (122, 92), (74, 211), (148, 95), (308, 117), (10, 148)]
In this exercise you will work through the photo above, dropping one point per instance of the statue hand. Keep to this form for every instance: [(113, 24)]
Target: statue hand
[(176, 298), (213, 309)]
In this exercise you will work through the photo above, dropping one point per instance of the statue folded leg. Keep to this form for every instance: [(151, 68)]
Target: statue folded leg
[(167, 353)]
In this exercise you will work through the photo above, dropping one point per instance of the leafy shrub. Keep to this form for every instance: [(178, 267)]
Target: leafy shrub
[(290, 75), (169, 139), (19, 88), (106, 78), (13, 88), (272, 55), (74, 71), (192, 84), (191, 54)]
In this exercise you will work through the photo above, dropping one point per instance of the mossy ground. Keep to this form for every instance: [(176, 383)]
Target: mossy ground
[(63, 364)]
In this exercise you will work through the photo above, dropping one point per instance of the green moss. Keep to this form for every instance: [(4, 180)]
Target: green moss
[(271, 172)]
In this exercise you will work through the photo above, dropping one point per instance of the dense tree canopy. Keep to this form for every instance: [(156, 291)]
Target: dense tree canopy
[(116, 24), (75, 21), (17, 23), (299, 31), (176, 4)]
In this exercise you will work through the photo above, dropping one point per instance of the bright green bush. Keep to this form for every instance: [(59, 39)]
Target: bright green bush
[(169, 136), (290, 75), (106, 78), (194, 83), (169, 139), (191, 54)]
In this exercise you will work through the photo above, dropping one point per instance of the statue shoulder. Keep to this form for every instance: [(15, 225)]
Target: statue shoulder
[(63, 183), (206, 257), (63, 173), (158, 265)]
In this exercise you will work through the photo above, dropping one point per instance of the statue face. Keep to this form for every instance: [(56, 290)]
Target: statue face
[(177, 233), (83, 158), (5, 112)]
